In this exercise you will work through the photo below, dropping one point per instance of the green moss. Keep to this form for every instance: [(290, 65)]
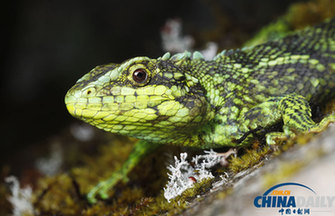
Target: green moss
[(309, 13), (273, 31), (5, 205), (298, 16), (330, 107), (198, 188), (65, 193), (249, 159), (57, 195)]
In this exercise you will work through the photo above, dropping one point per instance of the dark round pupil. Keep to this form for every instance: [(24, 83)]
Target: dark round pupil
[(140, 75)]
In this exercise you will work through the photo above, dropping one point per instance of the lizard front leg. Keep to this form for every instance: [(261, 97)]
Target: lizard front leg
[(235, 126), (296, 115), (292, 109), (140, 150)]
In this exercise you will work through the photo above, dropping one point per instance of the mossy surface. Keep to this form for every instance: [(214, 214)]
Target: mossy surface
[(64, 194), (298, 16)]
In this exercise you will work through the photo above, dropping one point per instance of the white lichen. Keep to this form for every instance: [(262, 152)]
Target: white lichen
[(82, 132), (51, 165), (20, 198), (183, 175), (218, 184), (174, 41), (210, 51), (172, 38)]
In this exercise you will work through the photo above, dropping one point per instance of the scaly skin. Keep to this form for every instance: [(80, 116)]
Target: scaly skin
[(188, 101)]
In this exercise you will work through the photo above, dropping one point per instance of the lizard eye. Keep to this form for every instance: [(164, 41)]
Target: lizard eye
[(140, 75)]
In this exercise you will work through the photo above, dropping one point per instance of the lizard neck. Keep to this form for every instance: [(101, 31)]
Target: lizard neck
[(220, 78)]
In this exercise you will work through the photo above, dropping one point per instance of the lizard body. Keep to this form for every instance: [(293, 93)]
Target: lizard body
[(188, 101)]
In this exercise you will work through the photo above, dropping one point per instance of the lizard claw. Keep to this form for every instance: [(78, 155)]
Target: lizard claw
[(102, 188), (323, 124)]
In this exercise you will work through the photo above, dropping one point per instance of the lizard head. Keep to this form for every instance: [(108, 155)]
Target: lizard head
[(151, 99)]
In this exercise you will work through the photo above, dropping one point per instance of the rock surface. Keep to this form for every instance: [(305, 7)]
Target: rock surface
[(312, 164)]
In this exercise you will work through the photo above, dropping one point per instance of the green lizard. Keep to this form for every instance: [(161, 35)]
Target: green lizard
[(227, 101)]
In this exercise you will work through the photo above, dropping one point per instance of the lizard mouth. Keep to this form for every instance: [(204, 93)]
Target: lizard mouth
[(88, 105), (71, 99)]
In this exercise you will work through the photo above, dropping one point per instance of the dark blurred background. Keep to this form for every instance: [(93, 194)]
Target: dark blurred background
[(49, 44)]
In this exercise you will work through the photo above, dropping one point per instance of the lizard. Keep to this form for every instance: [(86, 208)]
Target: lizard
[(185, 100)]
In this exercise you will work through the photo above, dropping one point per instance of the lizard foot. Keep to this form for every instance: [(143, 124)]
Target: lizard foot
[(225, 155), (325, 122), (272, 137), (103, 187)]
